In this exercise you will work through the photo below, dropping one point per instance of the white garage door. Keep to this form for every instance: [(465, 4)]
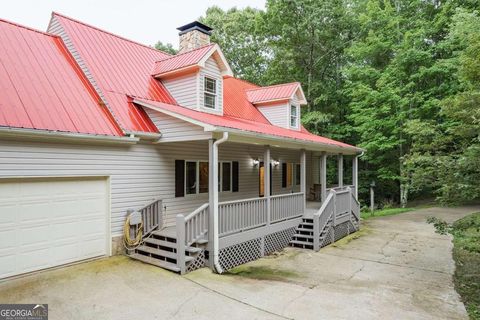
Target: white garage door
[(50, 222)]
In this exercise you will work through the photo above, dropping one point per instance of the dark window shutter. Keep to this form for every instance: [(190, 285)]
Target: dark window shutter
[(179, 178), (235, 174), (284, 175)]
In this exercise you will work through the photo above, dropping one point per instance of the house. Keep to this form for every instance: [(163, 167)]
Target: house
[(94, 126)]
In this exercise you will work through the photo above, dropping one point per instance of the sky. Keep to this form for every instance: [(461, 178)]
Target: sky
[(145, 21)]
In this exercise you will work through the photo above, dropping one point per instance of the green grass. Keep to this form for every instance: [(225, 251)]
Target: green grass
[(385, 212), (466, 253)]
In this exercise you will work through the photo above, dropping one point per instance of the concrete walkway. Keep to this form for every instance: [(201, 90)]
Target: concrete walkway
[(396, 267)]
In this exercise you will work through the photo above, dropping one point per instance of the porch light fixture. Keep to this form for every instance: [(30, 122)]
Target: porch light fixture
[(275, 163), (255, 162)]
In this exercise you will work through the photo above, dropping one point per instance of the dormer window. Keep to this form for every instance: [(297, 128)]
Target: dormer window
[(210, 92), (293, 116)]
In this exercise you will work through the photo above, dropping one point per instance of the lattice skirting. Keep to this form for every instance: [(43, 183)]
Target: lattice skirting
[(338, 232), (278, 240), (197, 263), (241, 253), (254, 249)]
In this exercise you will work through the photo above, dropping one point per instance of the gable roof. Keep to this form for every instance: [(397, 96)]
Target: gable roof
[(48, 86), (189, 60), (277, 92), (43, 88), (117, 66)]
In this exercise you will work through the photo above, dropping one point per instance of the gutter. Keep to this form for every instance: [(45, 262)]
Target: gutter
[(352, 150), (216, 263), (64, 136), (151, 136)]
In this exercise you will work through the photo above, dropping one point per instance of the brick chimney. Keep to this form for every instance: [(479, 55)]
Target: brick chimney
[(193, 35)]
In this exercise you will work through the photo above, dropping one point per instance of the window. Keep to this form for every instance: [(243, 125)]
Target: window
[(196, 177), (210, 92), (203, 177), (191, 177), (224, 176), (291, 173), (294, 116)]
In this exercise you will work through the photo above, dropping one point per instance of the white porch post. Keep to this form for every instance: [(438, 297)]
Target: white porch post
[(266, 179), (355, 175), (303, 176), (323, 175), (212, 167), (340, 170)]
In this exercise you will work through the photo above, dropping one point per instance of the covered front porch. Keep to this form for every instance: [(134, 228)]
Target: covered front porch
[(260, 198)]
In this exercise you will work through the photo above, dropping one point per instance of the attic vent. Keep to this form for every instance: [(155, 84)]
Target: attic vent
[(193, 35)]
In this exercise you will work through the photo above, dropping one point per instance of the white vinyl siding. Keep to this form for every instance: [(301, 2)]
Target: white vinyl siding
[(183, 89), (139, 173), (278, 115), (173, 129)]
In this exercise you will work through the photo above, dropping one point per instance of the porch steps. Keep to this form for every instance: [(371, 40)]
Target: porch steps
[(156, 262), (160, 249), (303, 237)]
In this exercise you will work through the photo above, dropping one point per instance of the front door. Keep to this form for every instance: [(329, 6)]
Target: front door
[(261, 179)]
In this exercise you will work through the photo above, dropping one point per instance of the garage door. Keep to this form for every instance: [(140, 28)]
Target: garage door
[(50, 222)]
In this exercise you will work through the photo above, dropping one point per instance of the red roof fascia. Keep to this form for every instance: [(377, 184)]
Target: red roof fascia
[(181, 61), (43, 88), (275, 92)]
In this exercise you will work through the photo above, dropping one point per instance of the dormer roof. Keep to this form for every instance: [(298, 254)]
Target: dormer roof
[(191, 61), (279, 92)]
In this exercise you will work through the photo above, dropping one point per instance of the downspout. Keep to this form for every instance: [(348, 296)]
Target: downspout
[(216, 263)]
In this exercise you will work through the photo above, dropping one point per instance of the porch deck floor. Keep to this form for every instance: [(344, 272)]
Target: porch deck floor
[(311, 208)]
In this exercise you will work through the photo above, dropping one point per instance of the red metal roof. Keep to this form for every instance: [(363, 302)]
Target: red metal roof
[(235, 102), (276, 92), (182, 60), (243, 124), (43, 88), (118, 66)]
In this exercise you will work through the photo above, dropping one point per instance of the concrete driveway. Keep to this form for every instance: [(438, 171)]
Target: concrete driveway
[(396, 267)]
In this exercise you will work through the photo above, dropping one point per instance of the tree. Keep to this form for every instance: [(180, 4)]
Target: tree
[(240, 35), (167, 47)]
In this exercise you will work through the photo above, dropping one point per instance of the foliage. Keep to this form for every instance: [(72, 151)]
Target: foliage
[(165, 47), (466, 253), (366, 214), (400, 79)]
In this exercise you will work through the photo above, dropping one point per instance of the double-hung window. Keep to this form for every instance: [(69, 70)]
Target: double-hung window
[(293, 116), (210, 92)]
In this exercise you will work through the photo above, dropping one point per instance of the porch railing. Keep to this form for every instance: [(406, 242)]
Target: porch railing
[(152, 218), (286, 206), (338, 207), (190, 229), (241, 215)]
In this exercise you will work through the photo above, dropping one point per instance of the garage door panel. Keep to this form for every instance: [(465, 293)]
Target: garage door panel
[(51, 222)]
